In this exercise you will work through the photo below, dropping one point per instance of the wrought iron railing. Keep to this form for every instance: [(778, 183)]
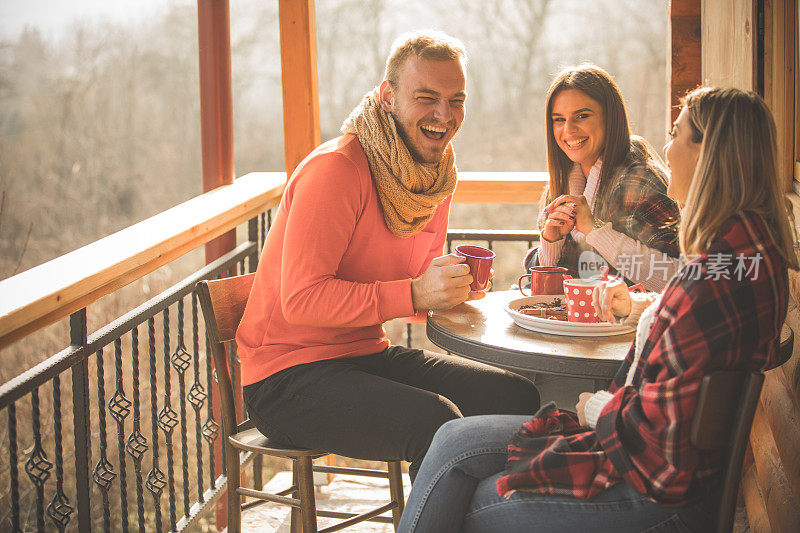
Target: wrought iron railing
[(132, 437), (119, 430)]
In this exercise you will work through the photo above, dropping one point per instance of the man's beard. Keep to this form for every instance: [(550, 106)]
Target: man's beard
[(401, 131)]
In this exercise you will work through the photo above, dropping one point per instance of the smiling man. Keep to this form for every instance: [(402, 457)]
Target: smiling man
[(358, 240), (426, 118)]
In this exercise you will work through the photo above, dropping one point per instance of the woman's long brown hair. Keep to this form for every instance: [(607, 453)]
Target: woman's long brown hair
[(598, 85)]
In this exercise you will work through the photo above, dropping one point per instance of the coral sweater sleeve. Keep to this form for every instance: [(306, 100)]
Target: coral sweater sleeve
[(325, 208)]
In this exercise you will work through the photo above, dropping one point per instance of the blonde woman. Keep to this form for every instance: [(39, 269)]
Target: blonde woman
[(607, 197), (623, 462)]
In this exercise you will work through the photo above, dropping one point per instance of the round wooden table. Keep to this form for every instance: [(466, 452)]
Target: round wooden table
[(481, 330)]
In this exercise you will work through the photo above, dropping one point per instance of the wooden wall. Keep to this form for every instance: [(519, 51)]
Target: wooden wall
[(771, 478), (731, 56), (728, 46), (780, 50), (684, 52)]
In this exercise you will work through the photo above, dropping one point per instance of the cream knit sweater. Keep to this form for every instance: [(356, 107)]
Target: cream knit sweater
[(643, 310), (609, 243)]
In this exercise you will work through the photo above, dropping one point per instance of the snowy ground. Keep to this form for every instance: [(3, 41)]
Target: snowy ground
[(345, 493)]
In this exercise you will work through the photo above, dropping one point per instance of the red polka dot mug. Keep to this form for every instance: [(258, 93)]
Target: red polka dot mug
[(578, 295)]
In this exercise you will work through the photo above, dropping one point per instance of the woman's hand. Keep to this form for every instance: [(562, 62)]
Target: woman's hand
[(578, 208), (611, 299), (559, 221), (580, 407)]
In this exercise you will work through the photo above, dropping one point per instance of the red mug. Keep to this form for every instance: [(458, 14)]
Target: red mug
[(544, 280), (479, 260), (578, 296)]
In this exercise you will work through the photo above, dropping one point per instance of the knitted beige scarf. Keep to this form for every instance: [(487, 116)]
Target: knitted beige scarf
[(409, 191)]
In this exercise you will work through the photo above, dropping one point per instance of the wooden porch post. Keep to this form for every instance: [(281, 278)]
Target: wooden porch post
[(684, 52), (216, 131), (216, 106), (299, 77)]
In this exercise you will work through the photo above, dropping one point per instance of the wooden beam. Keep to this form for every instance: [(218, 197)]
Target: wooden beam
[(780, 49), (216, 106), (216, 125), (685, 52), (728, 43), (500, 187), (301, 132), (685, 8), (789, 125), (797, 91), (44, 294)]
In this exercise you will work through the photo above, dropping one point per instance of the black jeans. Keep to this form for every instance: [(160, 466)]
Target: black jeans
[(386, 406)]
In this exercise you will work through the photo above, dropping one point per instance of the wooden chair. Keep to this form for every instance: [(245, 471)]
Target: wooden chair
[(223, 302), (725, 409)]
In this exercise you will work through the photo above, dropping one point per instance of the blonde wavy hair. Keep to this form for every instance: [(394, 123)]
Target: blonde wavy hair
[(737, 170)]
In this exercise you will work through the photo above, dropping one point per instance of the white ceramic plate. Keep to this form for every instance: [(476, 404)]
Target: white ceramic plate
[(560, 327)]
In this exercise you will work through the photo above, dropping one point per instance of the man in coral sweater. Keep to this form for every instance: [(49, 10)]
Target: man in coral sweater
[(357, 241)]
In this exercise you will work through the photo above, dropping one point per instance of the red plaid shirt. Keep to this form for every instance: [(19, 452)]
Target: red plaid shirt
[(642, 435)]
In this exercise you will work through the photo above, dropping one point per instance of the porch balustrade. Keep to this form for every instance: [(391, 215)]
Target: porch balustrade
[(120, 429)]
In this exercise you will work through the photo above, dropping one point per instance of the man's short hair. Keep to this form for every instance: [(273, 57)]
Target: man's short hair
[(425, 44)]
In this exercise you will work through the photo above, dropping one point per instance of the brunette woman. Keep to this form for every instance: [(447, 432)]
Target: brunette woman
[(624, 461), (608, 189)]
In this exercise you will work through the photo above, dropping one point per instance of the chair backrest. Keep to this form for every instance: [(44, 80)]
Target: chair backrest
[(725, 409), (223, 302)]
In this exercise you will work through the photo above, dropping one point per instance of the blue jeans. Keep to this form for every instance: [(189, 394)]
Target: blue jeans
[(455, 491)]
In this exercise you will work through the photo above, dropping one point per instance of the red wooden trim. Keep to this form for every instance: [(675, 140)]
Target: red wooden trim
[(216, 106), (684, 8), (216, 133), (685, 51)]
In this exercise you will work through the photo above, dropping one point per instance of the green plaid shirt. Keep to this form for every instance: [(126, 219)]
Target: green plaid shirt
[(637, 206)]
